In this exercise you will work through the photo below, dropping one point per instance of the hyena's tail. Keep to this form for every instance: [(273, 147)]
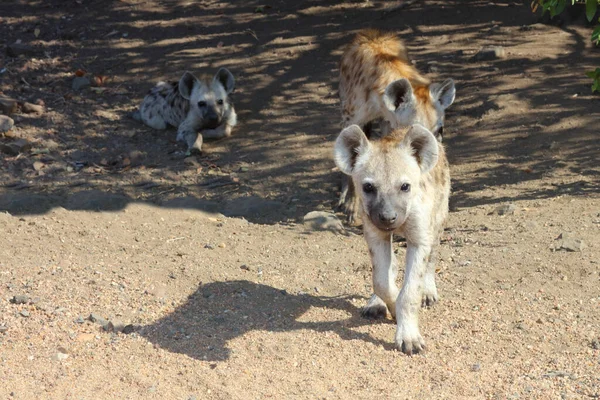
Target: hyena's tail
[(136, 115)]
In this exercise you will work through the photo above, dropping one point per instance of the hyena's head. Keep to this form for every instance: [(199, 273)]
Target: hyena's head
[(209, 98), (387, 173), (423, 104)]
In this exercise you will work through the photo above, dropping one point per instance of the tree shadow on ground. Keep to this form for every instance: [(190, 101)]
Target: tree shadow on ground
[(220, 312)]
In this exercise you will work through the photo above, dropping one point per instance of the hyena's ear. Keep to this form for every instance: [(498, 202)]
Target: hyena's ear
[(443, 92), (398, 94), (226, 79), (350, 144), (424, 146), (186, 84)]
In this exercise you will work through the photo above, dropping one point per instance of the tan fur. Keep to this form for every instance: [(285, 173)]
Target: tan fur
[(404, 185), (378, 82)]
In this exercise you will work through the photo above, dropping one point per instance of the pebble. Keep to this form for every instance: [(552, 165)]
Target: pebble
[(16, 147), (488, 53), (29, 108), (80, 82), (3, 328), (505, 209), (222, 245), (323, 221), (570, 243), (6, 123), (114, 326), (60, 356), (209, 246), (476, 367), (128, 329), (24, 313), (79, 320), (20, 299), (595, 342)]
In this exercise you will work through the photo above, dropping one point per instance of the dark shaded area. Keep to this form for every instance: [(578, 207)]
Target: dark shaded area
[(221, 311), (281, 56)]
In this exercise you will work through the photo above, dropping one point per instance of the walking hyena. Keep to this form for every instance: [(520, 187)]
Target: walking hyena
[(191, 105), (378, 81), (404, 185)]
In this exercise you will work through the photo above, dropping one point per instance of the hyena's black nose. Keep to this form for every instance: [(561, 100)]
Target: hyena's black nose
[(388, 218)]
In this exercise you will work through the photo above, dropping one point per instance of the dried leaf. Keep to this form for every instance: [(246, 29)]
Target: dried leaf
[(80, 72), (36, 32)]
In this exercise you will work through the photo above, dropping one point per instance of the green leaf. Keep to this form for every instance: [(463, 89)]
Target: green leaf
[(590, 9), (596, 35), (560, 7), (596, 86)]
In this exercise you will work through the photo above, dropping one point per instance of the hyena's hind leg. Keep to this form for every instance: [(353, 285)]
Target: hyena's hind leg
[(430, 293)]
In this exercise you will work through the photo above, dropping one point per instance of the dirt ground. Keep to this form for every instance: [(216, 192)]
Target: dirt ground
[(223, 291)]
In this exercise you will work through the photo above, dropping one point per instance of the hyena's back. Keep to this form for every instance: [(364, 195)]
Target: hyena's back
[(163, 106), (369, 64)]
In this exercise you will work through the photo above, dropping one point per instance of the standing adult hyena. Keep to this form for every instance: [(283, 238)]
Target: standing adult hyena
[(192, 105), (404, 184), (378, 82)]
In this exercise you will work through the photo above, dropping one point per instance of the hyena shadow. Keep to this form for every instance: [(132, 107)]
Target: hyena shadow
[(219, 312)]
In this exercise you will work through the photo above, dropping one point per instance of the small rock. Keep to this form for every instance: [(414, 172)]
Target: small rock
[(488, 53), (570, 243), (18, 49), (323, 221), (16, 147), (476, 367), (520, 326), (505, 209), (60, 356), (114, 326), (80, 82), (222, 245), (128, 329), (38, 165), (29, 108), (209, 246), (7, 105), (245, 267), (20, 299), (433, 67), (24, 313), (595, 342), (3, 328), (79, 320), (6, 123), (99, 320)]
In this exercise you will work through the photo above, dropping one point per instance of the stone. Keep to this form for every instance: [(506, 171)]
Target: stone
[(114, 326), (29, 108), (20, 49), (16, 147), (24, 313), (476, 367), (38, 165), (60, 356), (569, 243), (7, 105), (128, 329), (80, 82), (488, 53), (323, 221), (3, 328), (20, 299), (6, 123), (505, 209)]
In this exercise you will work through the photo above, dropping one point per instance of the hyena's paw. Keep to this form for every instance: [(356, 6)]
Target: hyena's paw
[(408, 339), (375, 308), (430, 293)]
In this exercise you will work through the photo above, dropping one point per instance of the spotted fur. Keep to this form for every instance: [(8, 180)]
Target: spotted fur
[(199, 108), (379, 83)]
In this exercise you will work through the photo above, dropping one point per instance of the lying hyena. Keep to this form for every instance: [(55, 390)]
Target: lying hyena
[(191, 105), (404, 185), (378, 82)]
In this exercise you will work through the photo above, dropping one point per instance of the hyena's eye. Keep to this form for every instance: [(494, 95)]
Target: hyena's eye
[(405, 187), (440, 131), (220, 102), (201, 104), (368, 188)]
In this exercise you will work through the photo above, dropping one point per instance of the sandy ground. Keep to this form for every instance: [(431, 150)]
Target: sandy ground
[(205, 262)]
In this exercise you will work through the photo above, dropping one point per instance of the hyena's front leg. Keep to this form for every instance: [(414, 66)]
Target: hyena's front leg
[(188, 132), (430, 293), (408, 337), (217, 133), (385, 271)]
